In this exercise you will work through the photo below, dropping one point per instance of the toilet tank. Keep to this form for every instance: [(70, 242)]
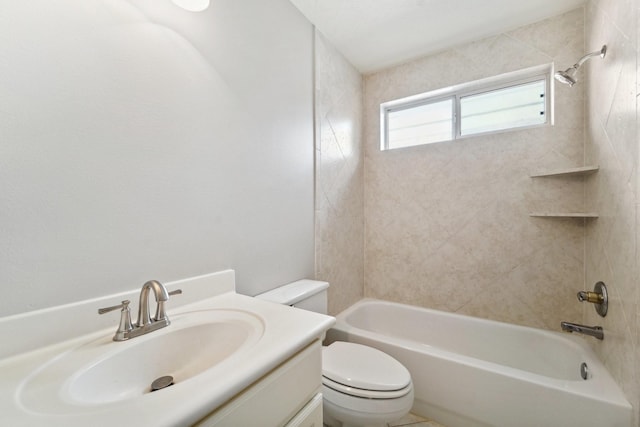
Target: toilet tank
[(305, 294)]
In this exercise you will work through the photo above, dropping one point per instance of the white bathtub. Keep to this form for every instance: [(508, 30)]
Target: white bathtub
[(470, 372)]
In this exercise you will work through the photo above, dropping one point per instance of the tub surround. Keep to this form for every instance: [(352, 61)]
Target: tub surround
[(447, 225), (339, 176), (286, 332), (611, 246)]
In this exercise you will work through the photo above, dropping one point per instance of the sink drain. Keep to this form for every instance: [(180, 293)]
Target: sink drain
[(162, 382)]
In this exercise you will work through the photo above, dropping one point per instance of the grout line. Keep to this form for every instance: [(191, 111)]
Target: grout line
[(415, 423)]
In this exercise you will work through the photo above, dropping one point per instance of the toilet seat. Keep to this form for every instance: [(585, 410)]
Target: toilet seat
[(362, 371), (368, 394)]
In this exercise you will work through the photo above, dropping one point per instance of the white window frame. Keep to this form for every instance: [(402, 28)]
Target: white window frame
[(503, 81)]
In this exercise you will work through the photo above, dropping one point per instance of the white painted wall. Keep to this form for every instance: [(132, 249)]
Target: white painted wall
[(141, 141)]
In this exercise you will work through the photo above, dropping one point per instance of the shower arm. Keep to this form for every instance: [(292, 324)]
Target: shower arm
[(602, 52)]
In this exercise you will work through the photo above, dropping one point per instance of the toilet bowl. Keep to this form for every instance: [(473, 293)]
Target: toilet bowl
[(361, 386)]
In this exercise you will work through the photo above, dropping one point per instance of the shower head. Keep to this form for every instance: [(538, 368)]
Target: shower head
[(568, 76)]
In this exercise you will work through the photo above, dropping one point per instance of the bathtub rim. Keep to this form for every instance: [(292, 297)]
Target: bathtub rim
[(600, 386)]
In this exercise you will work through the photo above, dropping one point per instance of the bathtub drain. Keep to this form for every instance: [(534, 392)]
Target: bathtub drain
[(584, 371)]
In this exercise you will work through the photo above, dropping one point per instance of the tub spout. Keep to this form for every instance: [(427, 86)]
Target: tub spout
[(594, 331)]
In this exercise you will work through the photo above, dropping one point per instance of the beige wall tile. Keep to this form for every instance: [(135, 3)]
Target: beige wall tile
[(611, 253), (447, 225), (339, 177)]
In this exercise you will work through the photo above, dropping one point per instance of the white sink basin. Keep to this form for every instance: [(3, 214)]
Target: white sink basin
[(60, 367), (102, 371)]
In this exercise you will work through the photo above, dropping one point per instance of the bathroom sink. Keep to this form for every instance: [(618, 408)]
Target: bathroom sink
[(101, 371), (61, 368)]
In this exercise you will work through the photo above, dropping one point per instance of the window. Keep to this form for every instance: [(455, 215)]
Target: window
[(421, 124), (510, 101)]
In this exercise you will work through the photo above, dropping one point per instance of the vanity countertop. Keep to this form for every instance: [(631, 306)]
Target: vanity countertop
[(30, 398)]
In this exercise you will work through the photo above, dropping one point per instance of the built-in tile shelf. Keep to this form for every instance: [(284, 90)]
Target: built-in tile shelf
[(583, 170), (579, 171), (565, 214)]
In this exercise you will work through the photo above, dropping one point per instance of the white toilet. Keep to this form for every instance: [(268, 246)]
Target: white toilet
[(361, 386)]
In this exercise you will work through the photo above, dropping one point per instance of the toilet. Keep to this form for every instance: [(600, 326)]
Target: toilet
[(361, 386)]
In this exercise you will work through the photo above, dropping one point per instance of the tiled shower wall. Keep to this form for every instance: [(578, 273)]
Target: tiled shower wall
[(612, 143), (447, 225), (339, 176)]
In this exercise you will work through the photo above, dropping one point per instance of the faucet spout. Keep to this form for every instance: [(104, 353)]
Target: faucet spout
[(594, 331), (161, 295), (127, 330)]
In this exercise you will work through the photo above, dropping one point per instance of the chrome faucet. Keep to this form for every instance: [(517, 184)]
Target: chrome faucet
[(145, 324), (161, 295), (594, 331)]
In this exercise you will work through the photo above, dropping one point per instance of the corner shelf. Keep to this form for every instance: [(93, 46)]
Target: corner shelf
[(584, 170), (586, 215), (579, 171)]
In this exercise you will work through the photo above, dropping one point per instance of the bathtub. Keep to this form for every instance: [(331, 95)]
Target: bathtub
[(470, 372)]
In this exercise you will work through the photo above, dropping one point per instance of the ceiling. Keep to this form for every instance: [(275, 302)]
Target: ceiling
[(375, 34)]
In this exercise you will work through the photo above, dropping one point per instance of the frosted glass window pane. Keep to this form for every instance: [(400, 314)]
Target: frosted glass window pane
[(512, 107), (421, 124)]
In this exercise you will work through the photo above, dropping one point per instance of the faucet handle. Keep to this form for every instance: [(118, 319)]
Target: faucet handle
[(591, 297), (125, 326), (598, 297), (176, 292), (122, 305)]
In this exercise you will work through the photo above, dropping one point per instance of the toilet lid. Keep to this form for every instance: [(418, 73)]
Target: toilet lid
[(362, 367)]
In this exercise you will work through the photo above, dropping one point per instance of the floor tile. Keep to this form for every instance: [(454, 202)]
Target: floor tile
[(412, 420)]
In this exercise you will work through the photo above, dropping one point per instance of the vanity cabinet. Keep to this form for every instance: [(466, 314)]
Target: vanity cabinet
[(287, 396)]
